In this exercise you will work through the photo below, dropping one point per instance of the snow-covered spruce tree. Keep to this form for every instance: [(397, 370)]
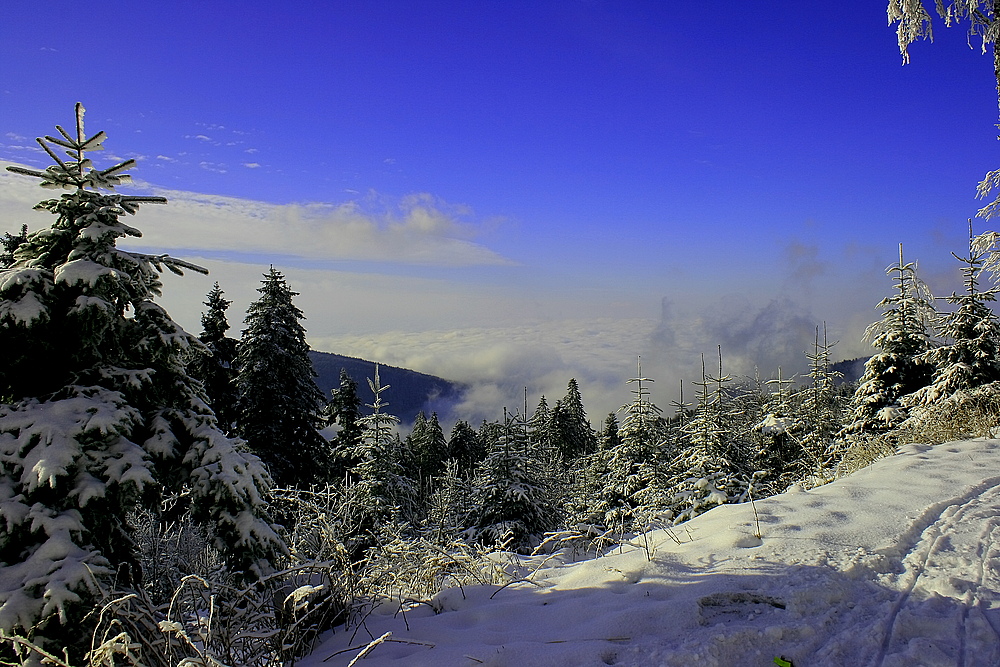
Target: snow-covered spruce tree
[(902, 338), (380, 485), (99, 414), (344, 413), (608, 438), (217, 368), (778, 432), (570, 427), (540, 426), (465, 447), (703, 473), (449, 506), (512, 504), (967, 362), (279, 406), (10, 242), (616, 475), (821, 411), (428, 451)]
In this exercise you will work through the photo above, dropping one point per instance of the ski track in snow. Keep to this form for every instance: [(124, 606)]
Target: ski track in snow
[(952, 554), (873, 570)]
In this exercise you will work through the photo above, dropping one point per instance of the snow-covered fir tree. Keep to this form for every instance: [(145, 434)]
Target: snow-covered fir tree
[(512, 504), (217, 368), (821, 411), (465, 447), (99, 415), (616, 476), (10, 242), (968, 358), (704, 473), (450, 505), (379, 481), (608, 438), (540, 426), (280, 408), (899, 368), (570, 427), (344, 413), (778, 431), (428, 449)]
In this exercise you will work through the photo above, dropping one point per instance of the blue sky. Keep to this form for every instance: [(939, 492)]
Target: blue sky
[(462, 187)]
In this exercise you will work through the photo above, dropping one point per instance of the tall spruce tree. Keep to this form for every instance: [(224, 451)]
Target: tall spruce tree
[(465, 446), (821, 413), (280, 408), (10, 242), (902, 338), (428, 449), (512, 502), (616, 474), (571, 428), (704, 473), (99, 415), (217, 368), (969, 356), (344, 412), (380, 482), (779, 449)]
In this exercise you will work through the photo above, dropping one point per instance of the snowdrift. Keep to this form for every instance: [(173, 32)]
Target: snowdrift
[(897, 564)]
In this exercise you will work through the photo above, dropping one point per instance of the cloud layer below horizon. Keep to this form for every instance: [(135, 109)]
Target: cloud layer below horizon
[(411, 283)]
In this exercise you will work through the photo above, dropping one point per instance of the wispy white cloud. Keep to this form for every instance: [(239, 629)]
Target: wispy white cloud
[(251, 165), (214, 167), (422, 230)]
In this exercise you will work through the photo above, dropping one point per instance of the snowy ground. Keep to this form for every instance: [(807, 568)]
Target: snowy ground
[(898, 564)]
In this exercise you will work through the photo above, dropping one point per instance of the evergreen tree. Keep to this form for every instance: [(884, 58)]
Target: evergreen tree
[(898, 368), (279, 405), (428, 449), (778, 431), (99, 415), (704, 474), (382, 488), (616, 476), (512, 503), (608, 438), (449, 506), (11, 243), (571, 429), (540, 426), (217, 368), (344, 412), (969, 356), (465, 447), (821, 412)]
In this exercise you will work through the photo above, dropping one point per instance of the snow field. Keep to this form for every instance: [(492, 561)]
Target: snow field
[(897, 564)]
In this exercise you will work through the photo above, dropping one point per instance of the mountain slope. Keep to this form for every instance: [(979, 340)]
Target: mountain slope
[(409, 392)]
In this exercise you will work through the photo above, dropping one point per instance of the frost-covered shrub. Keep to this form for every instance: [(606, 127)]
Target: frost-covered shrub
[(973, 413)]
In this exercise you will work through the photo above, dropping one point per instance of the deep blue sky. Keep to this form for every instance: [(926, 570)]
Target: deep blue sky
[(599, 155)]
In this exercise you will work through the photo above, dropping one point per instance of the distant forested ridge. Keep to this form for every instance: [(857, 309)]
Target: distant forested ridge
[(411, 392)]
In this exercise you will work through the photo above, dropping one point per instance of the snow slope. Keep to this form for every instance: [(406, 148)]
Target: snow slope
[(898, 564)]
